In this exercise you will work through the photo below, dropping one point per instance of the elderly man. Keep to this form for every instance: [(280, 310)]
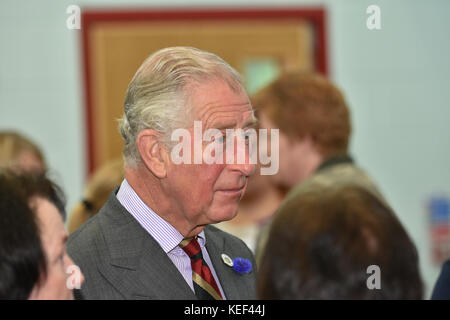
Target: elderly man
[(153, 237)]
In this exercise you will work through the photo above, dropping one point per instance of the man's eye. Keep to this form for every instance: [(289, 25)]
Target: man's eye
[(246, 137)]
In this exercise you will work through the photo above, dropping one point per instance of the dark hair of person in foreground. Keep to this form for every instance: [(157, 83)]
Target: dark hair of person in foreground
[(321, 244), (22, 258)]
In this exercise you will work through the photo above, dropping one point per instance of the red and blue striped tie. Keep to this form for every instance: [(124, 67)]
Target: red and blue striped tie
[(205, 285)]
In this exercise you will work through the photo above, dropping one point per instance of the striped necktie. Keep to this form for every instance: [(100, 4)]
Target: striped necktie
[(205, 285)]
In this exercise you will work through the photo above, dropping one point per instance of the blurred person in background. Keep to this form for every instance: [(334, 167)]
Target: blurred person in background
[(323, 242), (315, 128), (19, 153), (441, 289), (99, 187), (33, 257)]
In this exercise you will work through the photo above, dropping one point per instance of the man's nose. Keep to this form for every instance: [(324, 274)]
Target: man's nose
[(247, 169)]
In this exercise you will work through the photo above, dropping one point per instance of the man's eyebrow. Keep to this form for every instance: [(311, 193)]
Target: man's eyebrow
[(252, 123), (223, 126)]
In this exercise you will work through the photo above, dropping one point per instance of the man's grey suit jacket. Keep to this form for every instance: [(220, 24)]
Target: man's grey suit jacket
[(120, 260)]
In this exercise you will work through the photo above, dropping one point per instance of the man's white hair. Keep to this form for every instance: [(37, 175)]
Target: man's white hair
[(158, 95)]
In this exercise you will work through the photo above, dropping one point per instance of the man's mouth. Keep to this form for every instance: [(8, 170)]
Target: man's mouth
[(233, 191)]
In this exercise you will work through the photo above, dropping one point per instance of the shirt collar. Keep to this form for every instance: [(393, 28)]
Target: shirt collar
[(162, 231)]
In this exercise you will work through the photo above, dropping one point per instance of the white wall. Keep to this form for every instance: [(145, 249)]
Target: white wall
[(396, 80)]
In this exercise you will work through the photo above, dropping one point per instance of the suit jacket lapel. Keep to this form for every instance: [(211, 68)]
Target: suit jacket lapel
[(137, 266), (227, 276)]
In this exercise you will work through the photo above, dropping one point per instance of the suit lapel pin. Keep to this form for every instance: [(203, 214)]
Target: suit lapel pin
[(227, 260), (240, 265)]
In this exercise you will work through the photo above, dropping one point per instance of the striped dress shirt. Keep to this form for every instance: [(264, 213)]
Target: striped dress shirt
[(164, 233)]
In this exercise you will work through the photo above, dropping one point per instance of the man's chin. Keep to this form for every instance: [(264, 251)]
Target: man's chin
[(224, 216)]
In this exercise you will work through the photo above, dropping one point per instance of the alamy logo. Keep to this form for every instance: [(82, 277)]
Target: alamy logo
[(374, 20), (74, 280), (234, 146), (74, 20), (374, 280)]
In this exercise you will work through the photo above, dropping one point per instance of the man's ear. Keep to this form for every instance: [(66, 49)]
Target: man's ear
[(152, 152)]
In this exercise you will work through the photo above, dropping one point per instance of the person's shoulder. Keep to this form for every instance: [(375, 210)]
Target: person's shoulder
[(446, 266), (84, 236), (91, 229), (445, 271), (338, 175), (441, 290)]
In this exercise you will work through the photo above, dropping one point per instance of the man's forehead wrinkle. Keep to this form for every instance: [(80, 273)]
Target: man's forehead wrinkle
[(213, 106), (227, 119), (207, 110), (210, 114)]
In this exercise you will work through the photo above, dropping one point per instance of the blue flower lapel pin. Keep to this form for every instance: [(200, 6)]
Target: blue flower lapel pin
[(240, 265)]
